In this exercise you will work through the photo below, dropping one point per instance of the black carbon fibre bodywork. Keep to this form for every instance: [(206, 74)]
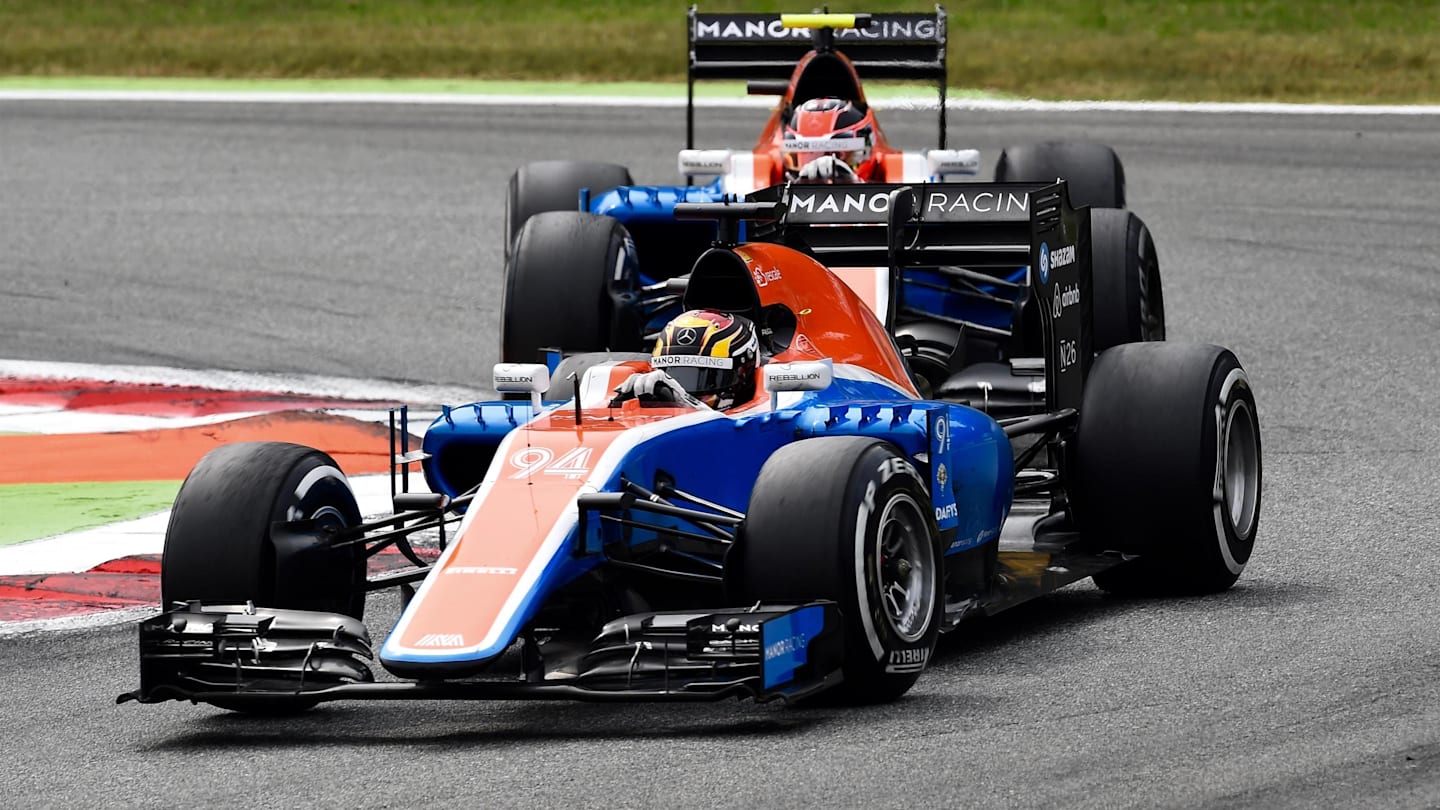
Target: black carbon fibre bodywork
[(233, 654)]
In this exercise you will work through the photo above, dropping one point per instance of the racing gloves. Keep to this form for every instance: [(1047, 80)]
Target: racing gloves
[(655, 386), (828, 169)]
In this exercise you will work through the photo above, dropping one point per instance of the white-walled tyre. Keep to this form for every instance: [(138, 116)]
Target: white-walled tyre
[(221, 545), (226, 542), (1168, 466), (848, 519)]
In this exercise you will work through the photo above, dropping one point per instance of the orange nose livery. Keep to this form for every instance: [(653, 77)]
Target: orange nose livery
[(516, 532)]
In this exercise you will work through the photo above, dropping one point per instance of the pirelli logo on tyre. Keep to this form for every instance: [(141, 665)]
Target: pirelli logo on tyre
[(908, 660)]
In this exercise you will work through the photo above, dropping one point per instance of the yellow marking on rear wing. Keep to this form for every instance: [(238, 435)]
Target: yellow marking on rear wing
[(825, 20)]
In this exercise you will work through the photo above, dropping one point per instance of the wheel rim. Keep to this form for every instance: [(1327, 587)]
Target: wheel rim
[(1242, 468), (906, 569)]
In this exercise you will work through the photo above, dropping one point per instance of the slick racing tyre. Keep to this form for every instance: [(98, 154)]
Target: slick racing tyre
[(1093, 171), (554, 185), (1129, 306), (848, 519), (1168, 467), (223, 544), (570, 285)]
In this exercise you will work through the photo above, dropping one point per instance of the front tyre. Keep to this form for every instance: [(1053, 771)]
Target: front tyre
[(554, 185), (848, 519), (1128, 303), (570, 285), (255, 522), (1168, 467), (1092, 171), (226, 544)]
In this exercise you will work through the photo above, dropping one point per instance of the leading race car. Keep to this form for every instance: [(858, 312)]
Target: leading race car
[(814, 538), (814, 64)]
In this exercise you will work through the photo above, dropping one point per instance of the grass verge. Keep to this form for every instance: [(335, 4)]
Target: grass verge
[(1379, 51), (32, 511)]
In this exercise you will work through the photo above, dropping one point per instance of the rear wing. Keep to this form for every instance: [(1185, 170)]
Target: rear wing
[(972, 234), (765, 48)]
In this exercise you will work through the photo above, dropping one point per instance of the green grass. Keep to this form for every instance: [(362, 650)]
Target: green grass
[(31, 511), (1382, 51)]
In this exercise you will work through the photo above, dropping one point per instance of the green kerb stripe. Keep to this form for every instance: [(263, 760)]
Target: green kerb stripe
[(31, 511)]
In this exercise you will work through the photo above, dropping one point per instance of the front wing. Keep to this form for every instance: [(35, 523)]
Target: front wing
[(238, 654)]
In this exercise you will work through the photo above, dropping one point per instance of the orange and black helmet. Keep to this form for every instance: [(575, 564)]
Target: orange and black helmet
[(712, 355)]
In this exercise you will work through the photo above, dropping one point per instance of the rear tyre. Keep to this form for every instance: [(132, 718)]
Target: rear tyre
[(1168, 466), (222, 546), (570, 285), (1093, 171), (1129, 305), (848, 519), (554, 185)]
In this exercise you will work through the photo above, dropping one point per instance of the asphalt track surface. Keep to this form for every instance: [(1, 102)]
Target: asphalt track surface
[(362, 241)]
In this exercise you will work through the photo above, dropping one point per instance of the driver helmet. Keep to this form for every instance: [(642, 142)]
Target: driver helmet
[(818, 120), (712, 355)]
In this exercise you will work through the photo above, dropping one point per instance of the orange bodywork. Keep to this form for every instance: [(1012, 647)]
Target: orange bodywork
[(831, 319), (885, 160), (533, 482)]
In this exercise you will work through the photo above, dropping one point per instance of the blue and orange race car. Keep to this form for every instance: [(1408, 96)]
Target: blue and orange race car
[(815, 538), (814, 64)]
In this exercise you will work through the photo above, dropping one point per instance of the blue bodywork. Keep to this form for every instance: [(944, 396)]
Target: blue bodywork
[(719, 459), (648, 213)]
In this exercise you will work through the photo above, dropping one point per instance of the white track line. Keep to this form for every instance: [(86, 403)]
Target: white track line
[(83, 621), (544, 100), (220, 380)]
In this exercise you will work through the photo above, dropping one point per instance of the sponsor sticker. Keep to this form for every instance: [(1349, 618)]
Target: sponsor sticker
[(767, 27), (1044, 263), (693, 360), (942, 496), (952, 204), (783, 377), (847, 203), (481, 569), (984, 202), (823, 144), (763, 277), (1062, 257), (739, 628), (441, 640), (785, 641), (1065, 296)]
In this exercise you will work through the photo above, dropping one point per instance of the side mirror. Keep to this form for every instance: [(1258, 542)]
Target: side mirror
[(946, 162), (522, 378), (805, 375)]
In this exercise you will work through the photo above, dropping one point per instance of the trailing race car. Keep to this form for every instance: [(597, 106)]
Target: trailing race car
[(822, 121), (815, 536)]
